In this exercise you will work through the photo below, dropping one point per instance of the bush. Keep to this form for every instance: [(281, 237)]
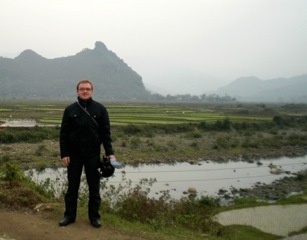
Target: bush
[(136, 205), (19, 191), (203, 125), (208, 201), (222, 142), (132, 129), (40, 150), (302, 175), (11, 173), (30, 135), (224, 125), (194, 134)]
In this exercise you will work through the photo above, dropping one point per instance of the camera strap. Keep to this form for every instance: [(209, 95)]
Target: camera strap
[(87, 113)]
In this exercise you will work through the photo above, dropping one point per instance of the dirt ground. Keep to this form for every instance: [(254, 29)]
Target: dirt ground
[(16, 225)]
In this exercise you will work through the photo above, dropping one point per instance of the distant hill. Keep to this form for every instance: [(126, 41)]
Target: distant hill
[(32, 76), (253, 89)]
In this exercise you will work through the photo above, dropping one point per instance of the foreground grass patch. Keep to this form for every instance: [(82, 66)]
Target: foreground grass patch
[(149, 231), (239, 232)]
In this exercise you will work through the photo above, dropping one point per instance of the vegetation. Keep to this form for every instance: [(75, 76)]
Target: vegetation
[(172, 132), (131, 206), (30, 135), (150, 133)]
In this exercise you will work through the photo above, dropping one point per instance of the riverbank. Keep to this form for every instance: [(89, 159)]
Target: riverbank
[(192, 147), (39, 224), (216, 146), (278, 189)]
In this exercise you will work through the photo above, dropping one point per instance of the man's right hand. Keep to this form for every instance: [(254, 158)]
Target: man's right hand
[(66, 161)]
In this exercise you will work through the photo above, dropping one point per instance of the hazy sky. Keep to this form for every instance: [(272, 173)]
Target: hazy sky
[(176, 45)]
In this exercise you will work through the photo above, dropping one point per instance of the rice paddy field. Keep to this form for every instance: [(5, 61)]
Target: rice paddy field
[(38, 148), (168, 132), (50, 112)]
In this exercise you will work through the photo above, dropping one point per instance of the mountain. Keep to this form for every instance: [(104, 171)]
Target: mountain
[(253, 89), (31, 75), (168, 76)]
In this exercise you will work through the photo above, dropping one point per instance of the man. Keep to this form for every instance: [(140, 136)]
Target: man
[(85, 126)]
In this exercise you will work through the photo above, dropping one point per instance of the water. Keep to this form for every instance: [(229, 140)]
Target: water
[(23, 123), (206, 177), (18, 123)]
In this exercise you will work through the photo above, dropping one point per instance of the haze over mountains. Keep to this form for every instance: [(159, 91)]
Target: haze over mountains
[(32, 76), (253, 89)]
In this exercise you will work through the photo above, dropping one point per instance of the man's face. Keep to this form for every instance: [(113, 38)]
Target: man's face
[(85, 91)]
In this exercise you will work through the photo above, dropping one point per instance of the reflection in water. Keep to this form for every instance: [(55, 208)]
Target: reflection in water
[(18, 123), (23, 123), (206, 177)]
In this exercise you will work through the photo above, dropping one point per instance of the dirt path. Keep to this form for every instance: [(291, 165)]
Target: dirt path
[(30, 226)]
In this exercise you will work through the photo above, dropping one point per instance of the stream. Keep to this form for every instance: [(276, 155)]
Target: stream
[(207, 177)]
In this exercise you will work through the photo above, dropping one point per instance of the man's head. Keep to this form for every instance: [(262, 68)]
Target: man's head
[(85, 89)]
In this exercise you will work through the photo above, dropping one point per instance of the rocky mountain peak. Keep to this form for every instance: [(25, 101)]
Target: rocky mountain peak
[(100, 47), (28, 55)]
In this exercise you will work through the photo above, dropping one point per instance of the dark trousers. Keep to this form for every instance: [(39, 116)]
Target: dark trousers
[(74, 172)]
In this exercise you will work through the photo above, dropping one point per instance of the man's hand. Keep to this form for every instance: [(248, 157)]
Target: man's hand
[(111, 157), (114, 162), (66, 161)]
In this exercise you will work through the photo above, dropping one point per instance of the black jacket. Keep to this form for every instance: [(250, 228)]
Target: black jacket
[(80, 136)]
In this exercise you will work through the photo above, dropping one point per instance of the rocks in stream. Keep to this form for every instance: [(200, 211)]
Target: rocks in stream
[(269, 192)]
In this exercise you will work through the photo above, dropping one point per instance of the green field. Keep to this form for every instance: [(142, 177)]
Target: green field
[(155, 133), (50, 112)]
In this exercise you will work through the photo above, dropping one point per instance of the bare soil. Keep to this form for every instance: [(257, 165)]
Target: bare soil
[(25, 225)]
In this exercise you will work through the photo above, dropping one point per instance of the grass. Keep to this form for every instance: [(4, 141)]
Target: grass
[(135, 214), (135, 144), (19, 192), (149, 133), (149, 231), (295, 199), (51, 112), (239, 232)]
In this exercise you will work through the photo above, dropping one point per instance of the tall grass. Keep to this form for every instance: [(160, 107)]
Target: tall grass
[(126, 201), (29, 135)]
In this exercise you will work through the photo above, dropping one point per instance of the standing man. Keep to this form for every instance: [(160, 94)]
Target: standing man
[(85, 126)]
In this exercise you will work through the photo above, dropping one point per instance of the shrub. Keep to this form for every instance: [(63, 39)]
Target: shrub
[(136, 205), (31, 135), (135, 142), (224, 125), (11, 172), (132, 129), (208, 201), (40, 150), (193, 215), (193, 134), (203, 125), (222, 142), (5, 159), (301, 176), (194, 144)]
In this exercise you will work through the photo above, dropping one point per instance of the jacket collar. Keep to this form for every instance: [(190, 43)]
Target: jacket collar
[(84, 103)]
